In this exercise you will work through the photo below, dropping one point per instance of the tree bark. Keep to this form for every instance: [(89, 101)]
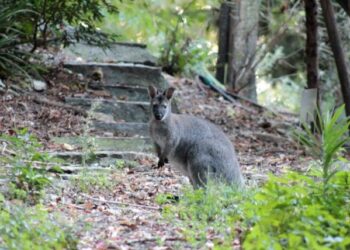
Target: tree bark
[(310, 107), (311, 48), (244, 17), (335, 43), (221, 64)]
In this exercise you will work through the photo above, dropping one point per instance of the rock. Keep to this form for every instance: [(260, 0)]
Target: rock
[(80, 77), (128, 93), (119, 52), (102, 117), (123, 74), (39, 85), (124, 129), (120, 110)]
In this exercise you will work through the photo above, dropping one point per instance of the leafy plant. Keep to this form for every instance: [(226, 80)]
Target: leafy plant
[(326, 144), (292, 212), (179, 32), (13, 61), (33, 228), (61, 21), (287, 212), (28, 172)]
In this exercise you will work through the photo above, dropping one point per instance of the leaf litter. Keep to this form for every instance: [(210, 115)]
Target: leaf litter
[(125, 215)]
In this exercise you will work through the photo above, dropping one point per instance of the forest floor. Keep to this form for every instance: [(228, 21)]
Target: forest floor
[(118, 209)]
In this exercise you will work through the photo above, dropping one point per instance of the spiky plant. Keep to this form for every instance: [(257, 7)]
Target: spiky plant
[(327, 142)]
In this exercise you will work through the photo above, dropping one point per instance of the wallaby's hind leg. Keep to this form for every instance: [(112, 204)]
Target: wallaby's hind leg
[(199, 172)]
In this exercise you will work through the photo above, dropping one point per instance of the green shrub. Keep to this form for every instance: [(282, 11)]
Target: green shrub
[(43, 22), (289, 212), (28, 166), (61, 21), (179, 32), (13, 61), (32, 228), (293, 212)]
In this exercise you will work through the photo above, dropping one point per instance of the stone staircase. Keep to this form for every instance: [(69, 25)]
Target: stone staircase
[(117, 125)]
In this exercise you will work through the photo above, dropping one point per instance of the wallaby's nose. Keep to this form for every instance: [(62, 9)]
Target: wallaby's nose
[(158, 116)]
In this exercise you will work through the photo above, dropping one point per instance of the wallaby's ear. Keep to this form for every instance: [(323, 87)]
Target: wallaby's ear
[(169, 92), (152, 91)]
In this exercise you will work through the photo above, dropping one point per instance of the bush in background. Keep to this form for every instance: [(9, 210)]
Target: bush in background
[(43, 22)]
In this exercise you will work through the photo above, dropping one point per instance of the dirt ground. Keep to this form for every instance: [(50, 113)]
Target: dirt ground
[(126, 216)]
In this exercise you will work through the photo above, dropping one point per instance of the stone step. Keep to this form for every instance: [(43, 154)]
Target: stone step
[(120, 110), (116, 53), (93, 144), (128, 93), (121, 129), (121, 73)]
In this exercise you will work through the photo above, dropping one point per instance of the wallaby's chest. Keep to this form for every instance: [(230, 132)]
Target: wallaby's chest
[(160, 134)]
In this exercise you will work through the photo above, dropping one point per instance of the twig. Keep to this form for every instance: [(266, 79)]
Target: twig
[(73, 205), (8, 151), (174, 238), (120, 203)]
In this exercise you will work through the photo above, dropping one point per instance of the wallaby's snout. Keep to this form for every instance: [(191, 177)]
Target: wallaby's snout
[(160, 102), (159, 112)]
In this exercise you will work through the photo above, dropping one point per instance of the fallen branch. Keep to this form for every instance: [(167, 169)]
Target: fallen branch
[(208, 79), (223, 93), (120, 203)]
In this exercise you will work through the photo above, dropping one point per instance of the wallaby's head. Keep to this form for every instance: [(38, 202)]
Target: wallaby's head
[(160, 102)]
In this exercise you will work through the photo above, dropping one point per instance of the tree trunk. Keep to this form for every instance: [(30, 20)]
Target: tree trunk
[(224, 28), (340, 61), (310, 97), (244, 17), (311, 50)]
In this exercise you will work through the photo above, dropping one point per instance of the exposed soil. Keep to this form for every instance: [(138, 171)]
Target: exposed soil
[(262, 140)]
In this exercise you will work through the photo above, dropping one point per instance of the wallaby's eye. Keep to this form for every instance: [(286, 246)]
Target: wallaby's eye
[(163, 106)]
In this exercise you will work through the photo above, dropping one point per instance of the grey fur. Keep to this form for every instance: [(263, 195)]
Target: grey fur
[(195, 146)]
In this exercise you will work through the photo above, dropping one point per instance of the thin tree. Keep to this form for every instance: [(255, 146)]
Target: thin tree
[(335, 43), (310, 101), (311, 47)]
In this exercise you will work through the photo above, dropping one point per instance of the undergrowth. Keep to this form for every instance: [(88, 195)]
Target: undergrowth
[(28, 167), (30, 228), (294, 211), (89, 182)]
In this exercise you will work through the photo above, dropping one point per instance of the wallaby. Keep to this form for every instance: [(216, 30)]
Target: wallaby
[(195, 146)]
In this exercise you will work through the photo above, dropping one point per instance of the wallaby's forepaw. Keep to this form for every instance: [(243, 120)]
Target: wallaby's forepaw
[(162, 162)]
